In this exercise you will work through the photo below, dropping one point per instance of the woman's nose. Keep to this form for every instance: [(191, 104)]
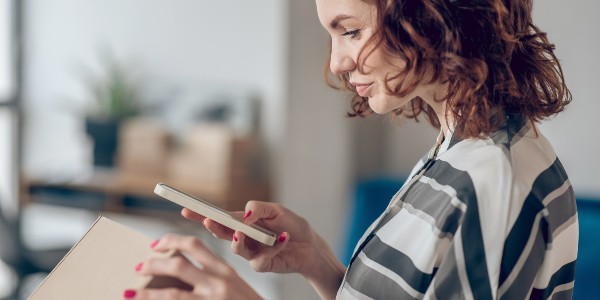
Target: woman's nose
[(340, 62)]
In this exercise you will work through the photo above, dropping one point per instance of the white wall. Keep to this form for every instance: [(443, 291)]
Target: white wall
[(6, 51), (405, 144), (183, 43), (316, 171), (277, 47), (573, 26), (8, 184), (178, 42)]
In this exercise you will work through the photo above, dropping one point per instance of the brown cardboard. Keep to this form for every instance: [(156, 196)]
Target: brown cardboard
[(144, 145), (218, 166), (101, 266)]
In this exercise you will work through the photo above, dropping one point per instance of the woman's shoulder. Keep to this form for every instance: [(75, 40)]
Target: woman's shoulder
[(479, 159), (518, 147), (515, 163)]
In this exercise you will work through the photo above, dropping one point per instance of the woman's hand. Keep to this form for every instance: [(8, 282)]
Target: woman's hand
[(298, 249), (214, 280), (297, 257)]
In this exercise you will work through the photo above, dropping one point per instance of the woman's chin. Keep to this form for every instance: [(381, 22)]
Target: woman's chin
[(378, 107)]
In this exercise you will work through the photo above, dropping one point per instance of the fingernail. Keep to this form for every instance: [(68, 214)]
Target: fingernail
[(248, 213), (129, 293), (204, 222), (235, 237), (282, 237), (138, 267), (154, 244)]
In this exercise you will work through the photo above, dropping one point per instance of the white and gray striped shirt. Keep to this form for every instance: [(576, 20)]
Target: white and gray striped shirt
[(489, 218)]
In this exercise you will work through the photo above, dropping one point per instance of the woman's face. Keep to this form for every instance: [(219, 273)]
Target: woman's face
[(350, 24)]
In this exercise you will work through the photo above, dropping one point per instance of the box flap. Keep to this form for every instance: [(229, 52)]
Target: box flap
[(100, 266)]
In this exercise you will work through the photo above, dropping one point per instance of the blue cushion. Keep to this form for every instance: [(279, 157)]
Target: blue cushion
[(587, 270), (371, 197)]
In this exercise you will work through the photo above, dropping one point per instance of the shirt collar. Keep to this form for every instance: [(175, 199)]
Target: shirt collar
[(443, 142)]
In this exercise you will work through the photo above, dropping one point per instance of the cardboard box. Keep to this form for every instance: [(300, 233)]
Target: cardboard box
[(101, 266), (144, 145), (218, 166), (216, 146)]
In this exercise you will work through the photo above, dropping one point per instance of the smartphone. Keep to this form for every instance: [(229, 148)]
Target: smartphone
[(216, 214)]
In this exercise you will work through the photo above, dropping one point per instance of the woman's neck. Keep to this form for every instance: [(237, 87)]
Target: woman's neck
[(440, 107)]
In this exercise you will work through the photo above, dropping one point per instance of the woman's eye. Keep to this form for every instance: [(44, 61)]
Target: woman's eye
[(353, 34)]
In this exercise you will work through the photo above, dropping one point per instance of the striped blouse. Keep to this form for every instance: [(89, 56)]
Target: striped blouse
[(487, 218)]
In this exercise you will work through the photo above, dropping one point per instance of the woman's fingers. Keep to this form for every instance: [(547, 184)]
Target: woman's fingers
[(192, 215), (263, 261), (257, 210), (196, 249), (239, 247), (159, 294), (260, 257), (177, 266), (209, 275), (215, 228)]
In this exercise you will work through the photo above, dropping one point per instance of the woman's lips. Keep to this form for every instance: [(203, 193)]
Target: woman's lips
[(362, 89)]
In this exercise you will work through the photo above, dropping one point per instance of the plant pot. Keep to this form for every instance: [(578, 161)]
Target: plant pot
[(105, 137)]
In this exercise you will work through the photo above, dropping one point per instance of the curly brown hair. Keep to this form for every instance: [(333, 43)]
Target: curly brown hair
[(491, 56)]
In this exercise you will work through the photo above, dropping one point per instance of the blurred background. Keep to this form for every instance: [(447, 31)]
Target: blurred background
[(100, 100)]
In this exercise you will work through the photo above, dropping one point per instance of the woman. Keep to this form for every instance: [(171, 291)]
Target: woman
[(489, 212)]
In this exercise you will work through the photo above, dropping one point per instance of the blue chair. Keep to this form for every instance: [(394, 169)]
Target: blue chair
[(371, 197), (587, 270)]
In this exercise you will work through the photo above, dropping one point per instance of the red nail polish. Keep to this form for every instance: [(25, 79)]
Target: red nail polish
[(248, 213), (154, 244), (282, 238), (235, 237), (138, 267), (129, 293)]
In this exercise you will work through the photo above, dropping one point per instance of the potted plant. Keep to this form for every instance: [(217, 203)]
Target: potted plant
[(115, 97)]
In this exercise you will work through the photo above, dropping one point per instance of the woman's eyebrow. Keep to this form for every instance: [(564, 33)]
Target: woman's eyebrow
[(334, 23)]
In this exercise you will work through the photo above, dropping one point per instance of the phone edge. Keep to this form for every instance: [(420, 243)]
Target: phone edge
[(164, 191)]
